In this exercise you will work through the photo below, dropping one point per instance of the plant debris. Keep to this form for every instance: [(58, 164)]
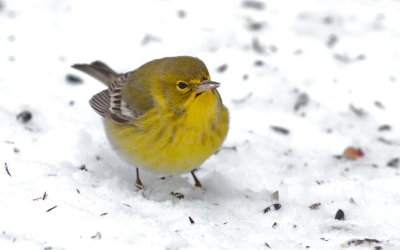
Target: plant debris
[(103, 214), (357, 111), (339, 215), (275, 206), (44, 197), (274, 225), (83, 167), (315, 206), (275, 196), (257, 46), (252, 4), (302, 100), (178, 195), (255, 26), (352, 153), (97, 236), (385, 141), (345, 58), (243, 99), (191, 220), (379, 104), (267, 245), (233, 148), (394, 163), (332, 40), (148, 38), (7, 170), (258, 63), (24, 117), (73, 79), (358, 242)]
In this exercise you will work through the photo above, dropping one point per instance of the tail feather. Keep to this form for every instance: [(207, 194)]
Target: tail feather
[(98, 70)]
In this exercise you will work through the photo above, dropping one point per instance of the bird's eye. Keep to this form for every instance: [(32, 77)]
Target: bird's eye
[(182, 85)]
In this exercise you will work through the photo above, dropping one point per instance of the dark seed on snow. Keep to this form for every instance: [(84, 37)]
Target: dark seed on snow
[(24, 117), (281, 130), (384, 127), (332, 40), (339, 215), (83, 167), (259, 63), (394, 163), (302, 100), (73, 79), (222, 68), (181, 14), (275, 206), (378, 104)]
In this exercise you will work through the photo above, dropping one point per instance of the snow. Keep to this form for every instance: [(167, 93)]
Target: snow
[(337, 53)]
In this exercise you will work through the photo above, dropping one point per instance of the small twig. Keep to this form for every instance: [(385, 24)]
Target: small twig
[(48, 210), (6, 167)]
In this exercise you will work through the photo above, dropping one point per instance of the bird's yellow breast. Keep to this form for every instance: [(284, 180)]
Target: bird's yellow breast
[(173, 142)]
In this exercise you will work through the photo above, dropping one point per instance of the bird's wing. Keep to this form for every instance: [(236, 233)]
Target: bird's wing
[(98, 70), (109, 103)]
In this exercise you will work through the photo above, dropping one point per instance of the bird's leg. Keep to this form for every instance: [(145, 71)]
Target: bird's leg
[(196, 181), (139, 183)]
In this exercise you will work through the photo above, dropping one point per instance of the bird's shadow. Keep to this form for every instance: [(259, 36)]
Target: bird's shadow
[(216, 189)]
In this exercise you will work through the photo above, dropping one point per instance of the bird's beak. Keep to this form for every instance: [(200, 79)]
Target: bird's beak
[(206, 85)]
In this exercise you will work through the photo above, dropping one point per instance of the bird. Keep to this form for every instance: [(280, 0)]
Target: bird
[(166, 116)]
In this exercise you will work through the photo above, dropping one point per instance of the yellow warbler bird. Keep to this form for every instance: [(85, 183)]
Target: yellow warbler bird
[(166, 116)]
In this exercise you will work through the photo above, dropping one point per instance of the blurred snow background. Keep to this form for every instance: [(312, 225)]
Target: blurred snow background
[(324, 74)]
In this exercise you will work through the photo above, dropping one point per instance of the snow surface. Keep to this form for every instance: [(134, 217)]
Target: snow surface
[(339, 54)]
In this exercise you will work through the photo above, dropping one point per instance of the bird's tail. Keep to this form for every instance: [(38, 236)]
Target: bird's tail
[(98, 70)]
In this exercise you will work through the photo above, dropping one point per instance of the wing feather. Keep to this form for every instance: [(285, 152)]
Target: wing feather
[(109, 103)]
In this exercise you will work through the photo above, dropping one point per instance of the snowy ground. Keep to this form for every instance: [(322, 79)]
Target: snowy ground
[(327, 71)]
